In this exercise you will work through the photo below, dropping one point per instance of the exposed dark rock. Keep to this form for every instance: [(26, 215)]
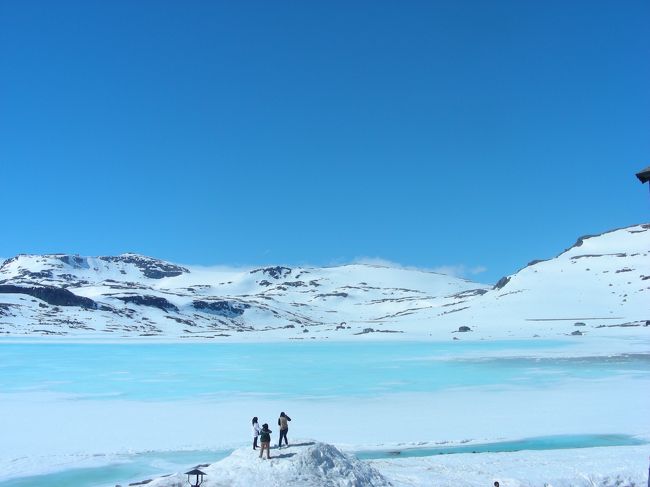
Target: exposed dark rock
[(625, 269), (536, 261), (464, 329), (180, 320), (7, 261), (333, 295), (4, 309), (151, 301), (74, 261), (46, 274), (576, 333), (587, 256), (229, 309), (455, 310), (294, 283), (366, 330), (51, 295), (264, 283), (48, 332), (151, 268), (579, 323), (276, 272), (70, 277), (502, 282), (582, 239), (467, 294), (372, 330)]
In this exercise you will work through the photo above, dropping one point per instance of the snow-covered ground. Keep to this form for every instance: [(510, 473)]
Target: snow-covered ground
[(625, 466), (311, 463)]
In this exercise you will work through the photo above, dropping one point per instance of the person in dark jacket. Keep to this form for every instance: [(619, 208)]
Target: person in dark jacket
[(265, 441), (284, 428)]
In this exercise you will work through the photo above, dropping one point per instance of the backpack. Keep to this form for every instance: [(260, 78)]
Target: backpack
[(265, 436)]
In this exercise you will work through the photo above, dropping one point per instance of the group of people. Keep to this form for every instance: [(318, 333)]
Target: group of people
[(264, 434)]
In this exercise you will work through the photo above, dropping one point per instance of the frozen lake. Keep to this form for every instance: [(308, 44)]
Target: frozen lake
[(103, 413), (154, 372)]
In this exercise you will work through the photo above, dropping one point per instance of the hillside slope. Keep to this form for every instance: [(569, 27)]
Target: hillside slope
[(600, 283)]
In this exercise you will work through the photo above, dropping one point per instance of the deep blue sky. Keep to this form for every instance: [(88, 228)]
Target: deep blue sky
[(434, 133)]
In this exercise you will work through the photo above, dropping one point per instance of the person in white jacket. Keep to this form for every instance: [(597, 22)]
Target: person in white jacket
[(256, 432)]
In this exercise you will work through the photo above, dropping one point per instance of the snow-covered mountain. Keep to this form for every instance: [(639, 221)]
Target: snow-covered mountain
[(601, 283)]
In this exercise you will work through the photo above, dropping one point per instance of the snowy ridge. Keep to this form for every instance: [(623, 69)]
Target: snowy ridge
[(600, 285)]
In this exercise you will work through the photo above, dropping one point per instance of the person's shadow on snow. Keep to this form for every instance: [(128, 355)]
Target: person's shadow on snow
[(303, 444), (284, 455)]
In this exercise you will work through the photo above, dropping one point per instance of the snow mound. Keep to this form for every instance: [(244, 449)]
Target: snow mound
[(306, 463)]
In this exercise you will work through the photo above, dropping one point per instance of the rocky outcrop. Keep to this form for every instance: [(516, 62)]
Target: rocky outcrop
[(502, 282), (150, 268), (74, 261), (332, 295), (228, 309), (51, 295), (152, 301), (277, 272)]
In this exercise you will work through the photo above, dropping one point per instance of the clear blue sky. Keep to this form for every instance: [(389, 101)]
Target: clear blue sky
[(434, 133)]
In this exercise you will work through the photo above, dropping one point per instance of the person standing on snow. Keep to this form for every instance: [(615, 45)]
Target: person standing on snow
[(265, 441), (284, 428), (256, 432)]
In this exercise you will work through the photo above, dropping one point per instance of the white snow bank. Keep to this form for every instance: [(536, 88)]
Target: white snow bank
[(305, 463), (623, 466)]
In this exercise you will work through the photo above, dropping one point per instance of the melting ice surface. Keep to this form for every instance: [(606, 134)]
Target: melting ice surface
[(182, 371), (171, 372), (556, 442), (138, 466)]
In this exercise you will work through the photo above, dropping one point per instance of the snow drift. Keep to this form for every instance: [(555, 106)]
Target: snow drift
[(305, 463)]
